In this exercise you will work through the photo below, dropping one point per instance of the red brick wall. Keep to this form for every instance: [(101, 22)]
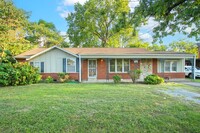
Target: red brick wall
[(84, 69), (73, 76), (101, 68), (155, 68), (172, 75)]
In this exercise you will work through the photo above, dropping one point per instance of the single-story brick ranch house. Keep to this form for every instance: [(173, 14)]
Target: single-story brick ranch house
[(100, 64)]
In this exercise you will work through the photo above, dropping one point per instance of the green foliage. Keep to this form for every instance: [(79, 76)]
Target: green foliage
[(135, 74), (18, 35), (13, 27), (116, 79), (12, 73), (49, 79), (156, 47), (8, 57), (102, 23), (172, 15), (63, 77), (184, 46), (153, 79), (44, 32), (18, 74)]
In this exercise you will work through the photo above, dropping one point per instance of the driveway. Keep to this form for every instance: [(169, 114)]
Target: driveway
[(195, 84)]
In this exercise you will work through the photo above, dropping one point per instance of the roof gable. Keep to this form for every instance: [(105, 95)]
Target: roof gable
[(39, 51)]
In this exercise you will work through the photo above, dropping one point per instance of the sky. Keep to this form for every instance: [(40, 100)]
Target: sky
[(56, 11)]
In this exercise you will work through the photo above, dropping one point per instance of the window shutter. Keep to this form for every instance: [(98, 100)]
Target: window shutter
[(42, 67), (31, 63), (64, 64)]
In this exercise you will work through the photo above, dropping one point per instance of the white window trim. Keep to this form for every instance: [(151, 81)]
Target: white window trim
[(170, 71), (67, 65), (122, 66)]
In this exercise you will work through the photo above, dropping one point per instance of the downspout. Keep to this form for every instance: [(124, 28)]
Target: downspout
[(80, 71), (194, 66)]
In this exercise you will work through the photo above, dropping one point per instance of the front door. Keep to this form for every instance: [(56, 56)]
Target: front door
[(92, 69), (145, 67)]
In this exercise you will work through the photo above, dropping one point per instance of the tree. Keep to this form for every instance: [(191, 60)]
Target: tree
[(100, 24), (44, 34), (156, 47), (172, 15), (184, 46), (13, 24)]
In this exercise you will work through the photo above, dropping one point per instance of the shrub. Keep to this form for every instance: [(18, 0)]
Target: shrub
[(153, 79), (135, 74), (63, 77), (18, 74), (117, 78), (49, 79)]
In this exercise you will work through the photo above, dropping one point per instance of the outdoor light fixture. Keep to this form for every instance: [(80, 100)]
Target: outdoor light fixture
[(135, 61)]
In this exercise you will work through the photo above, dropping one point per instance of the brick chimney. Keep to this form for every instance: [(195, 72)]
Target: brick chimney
[(198, 44)]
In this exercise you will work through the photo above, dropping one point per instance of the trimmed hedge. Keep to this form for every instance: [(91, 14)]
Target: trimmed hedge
[(153, 79)]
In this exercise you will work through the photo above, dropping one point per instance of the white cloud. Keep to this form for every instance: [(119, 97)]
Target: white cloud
[(59, 8), (64, 13), (63, 33), (72, 2), (151, 23), (133, 4), (146, 37)]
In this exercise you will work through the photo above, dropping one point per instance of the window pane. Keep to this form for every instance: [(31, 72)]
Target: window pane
[(70, 65), (119, 65), (174, 66), (162, 66), (37, 64), (167, 66), (112, 65), (126, 65)]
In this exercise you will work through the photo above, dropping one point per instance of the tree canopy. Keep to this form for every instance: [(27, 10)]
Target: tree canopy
[(44, 34), (13, 23), (184, 46), (104, 23), (18, 34), (173, 16)]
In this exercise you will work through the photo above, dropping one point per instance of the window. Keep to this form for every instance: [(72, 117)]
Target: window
[(174, 66), (71, 65), (112, 65), (126, 65), (119, 65), (39, 65), (168, 66)]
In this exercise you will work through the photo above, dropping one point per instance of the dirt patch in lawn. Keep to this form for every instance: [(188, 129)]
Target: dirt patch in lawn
[(185, 94)]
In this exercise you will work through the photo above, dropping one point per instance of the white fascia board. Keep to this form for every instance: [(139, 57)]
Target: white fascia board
[(141, 56), (49, 50)]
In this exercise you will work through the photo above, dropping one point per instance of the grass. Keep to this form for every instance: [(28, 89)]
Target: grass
[(96, 108), (196, 80)]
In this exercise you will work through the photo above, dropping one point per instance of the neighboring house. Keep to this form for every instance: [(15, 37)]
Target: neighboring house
[(100, 64)]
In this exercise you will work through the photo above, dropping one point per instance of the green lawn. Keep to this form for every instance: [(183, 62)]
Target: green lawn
[(196, 80), (96, 108)]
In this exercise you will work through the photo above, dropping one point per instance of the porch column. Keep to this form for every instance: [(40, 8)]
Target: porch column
[(80, 71), (194, 66)]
